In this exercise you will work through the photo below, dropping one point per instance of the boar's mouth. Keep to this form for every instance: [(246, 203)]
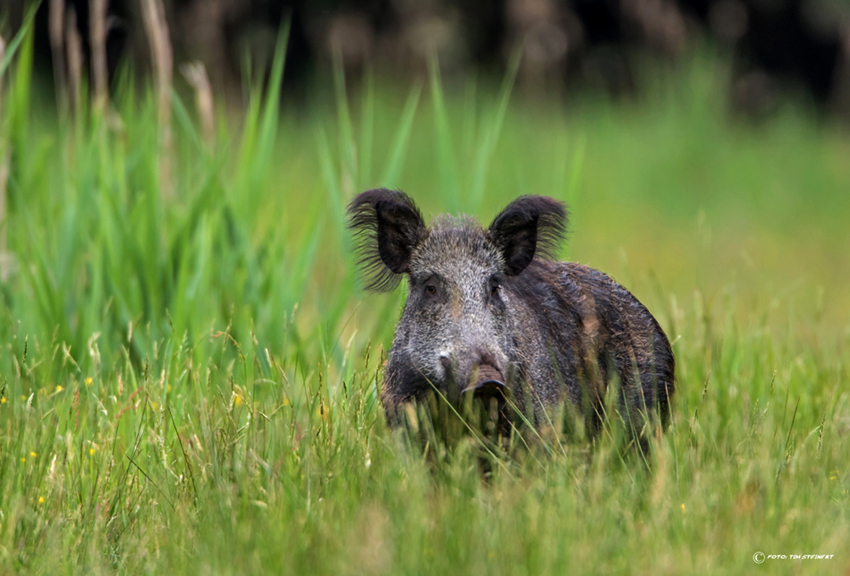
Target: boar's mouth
[(488, 384)]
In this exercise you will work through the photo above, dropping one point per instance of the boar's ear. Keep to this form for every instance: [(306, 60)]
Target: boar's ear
[(387, 227), (530, 226)]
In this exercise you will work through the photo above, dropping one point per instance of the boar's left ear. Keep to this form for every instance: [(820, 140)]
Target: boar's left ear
[(387, 227), (530, 226)]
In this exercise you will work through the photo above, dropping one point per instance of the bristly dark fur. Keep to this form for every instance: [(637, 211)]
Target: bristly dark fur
[(529, 227), (388, 212)]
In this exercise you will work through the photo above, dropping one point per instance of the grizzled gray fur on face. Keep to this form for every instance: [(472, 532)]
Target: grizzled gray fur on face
[(493, 301)]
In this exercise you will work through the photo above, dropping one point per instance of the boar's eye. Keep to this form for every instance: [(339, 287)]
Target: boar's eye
[(495, 290), (430, 290)]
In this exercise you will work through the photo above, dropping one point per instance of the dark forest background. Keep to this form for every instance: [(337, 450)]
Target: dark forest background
[(777, 47)]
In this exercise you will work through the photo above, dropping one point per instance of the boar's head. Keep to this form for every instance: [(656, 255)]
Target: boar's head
[(459, 326)]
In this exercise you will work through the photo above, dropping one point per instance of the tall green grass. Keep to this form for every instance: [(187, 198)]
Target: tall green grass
[(189, 372)]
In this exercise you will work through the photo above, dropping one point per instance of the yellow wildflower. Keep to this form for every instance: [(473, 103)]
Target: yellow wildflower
[(238, 400), (41, 499), (3, 400), (33, 454), (91, 451), (23, 459), (59, 388), (88, 381), (683, 507)]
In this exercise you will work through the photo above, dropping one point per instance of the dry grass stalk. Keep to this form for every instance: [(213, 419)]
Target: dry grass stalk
[(4, 175), (97, 39), (196, 74), (4, 237), (156, 27), (2, 53), (74, 46), (6, 261), (57, 49)]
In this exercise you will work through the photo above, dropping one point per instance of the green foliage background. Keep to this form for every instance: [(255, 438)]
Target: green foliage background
[(189, 369)]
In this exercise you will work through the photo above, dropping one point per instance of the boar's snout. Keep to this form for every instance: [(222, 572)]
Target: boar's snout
[(489, 392), (486, 383), (480, 378)]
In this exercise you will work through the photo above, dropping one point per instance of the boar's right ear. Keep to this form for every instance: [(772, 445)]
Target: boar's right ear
[(387, 227), (529, 226)]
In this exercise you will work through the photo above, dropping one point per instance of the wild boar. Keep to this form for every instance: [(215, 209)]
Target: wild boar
[(491, 310)]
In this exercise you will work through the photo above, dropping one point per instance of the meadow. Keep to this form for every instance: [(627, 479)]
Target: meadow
[(189, 368)]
